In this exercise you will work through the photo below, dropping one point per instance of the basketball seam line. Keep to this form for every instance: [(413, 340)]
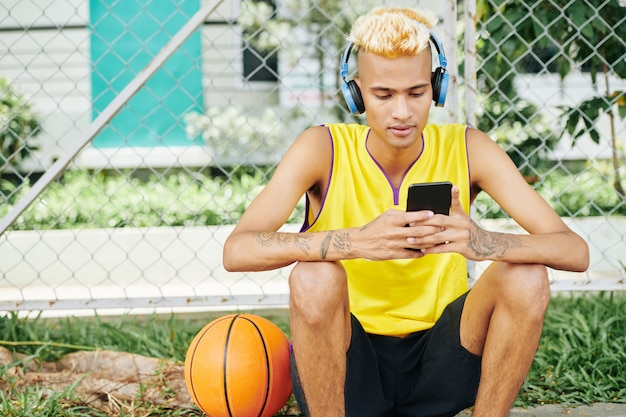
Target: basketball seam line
[(230, 328), (193, 387), (267, 366)]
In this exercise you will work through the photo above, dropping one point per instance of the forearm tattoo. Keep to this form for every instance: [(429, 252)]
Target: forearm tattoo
[(284, 240), (486, 244), (340, 241)]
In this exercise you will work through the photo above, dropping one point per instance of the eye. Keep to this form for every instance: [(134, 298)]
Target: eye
[(383, 96)]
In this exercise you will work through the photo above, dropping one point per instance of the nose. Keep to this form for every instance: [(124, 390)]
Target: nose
[(401, 109)]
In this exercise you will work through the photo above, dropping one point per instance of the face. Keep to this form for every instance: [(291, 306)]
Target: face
[(397, 94)]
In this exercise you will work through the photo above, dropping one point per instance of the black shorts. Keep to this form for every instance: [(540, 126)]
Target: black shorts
[(427, 373)]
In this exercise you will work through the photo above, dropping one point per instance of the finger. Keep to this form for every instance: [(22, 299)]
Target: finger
[(413, 217), (456, 200), (442, 247), (420, 236)]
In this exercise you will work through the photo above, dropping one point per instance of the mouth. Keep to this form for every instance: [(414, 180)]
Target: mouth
[(402, 130)]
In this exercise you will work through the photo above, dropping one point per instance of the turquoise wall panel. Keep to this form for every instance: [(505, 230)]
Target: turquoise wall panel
[(125, 36)]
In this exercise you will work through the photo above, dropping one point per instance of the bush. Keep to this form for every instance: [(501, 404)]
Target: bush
[(83, 199), (86, 200), (18, 126), (583, 194)]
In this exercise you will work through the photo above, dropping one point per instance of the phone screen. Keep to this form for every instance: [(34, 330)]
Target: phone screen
[(434, 196)]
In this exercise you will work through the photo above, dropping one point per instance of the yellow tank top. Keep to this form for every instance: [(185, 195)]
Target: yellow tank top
[(394, 297)]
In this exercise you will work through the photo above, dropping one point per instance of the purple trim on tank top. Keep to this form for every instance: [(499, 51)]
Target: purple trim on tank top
[(469, 172), (305, 224), (396, 191)]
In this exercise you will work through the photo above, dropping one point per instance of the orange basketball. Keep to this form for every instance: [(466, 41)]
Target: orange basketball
[(238, 366)]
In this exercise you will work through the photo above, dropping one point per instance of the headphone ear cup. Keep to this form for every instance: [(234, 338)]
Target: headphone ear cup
[(352, 95), (356, 95), (435, 82), (439, 82)]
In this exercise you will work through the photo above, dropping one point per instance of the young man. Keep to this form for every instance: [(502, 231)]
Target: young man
[(382, 322)]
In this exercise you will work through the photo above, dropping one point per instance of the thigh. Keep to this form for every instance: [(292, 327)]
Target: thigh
[(445, 380), (369, 390), (521, 287), (366, 392)]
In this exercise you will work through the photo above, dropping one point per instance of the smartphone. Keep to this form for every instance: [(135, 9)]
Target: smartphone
[(434, 196)]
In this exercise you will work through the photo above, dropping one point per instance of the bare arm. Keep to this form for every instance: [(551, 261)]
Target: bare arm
[(256, 244), (270, 250), (383, 238), (549, 241)]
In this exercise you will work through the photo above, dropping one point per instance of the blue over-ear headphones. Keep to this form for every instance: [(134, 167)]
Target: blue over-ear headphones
[(439, 79)]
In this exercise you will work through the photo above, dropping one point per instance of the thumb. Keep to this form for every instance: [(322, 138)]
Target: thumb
[(455, 205)]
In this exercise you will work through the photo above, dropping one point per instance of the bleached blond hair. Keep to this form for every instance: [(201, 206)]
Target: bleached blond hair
[(393, 31)]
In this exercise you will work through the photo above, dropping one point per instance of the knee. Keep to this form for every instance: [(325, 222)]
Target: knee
[(528, 287), (317, 289)]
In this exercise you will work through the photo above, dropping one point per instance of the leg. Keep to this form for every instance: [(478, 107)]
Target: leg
[(320, 331), (502, 321), (443, 378)]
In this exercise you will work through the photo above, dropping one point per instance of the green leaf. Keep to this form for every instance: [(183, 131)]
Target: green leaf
[(572, 122), (564, 67), (588, 31), (577, 13), (495, 28), (619, 66)]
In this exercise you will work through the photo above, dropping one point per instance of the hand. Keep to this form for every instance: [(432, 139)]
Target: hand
[(386, 236), (449, 233)]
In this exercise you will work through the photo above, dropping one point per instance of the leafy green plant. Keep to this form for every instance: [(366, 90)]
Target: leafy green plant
[(595, 39), (582, 353), (235, 132), (524, 135), (87, 200), (517, 125), (580, 194), (262, 29), (82, 199), (551, 37), (587, 193), (19, 125)]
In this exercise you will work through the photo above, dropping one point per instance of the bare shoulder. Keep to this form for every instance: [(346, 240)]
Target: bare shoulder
[(315, 136), (315, 139), (488, 161), (310, 154), (481, 146), (303, 166)]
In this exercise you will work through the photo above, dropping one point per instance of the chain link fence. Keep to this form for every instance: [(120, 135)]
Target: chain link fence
[(134, 134)]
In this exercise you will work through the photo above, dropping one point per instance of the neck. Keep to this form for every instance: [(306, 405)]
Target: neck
[(394, 161)]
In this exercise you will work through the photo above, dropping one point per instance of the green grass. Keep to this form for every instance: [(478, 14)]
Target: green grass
[(581, 357), (582, 353), (157, 336)]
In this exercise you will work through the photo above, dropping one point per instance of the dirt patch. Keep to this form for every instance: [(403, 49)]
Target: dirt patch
[(108, 381), (103, 380)]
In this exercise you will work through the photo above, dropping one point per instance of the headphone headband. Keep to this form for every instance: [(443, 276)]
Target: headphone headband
[(441, 56), (443, 62), (439, 79), (344, 60)]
